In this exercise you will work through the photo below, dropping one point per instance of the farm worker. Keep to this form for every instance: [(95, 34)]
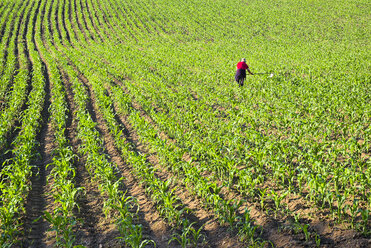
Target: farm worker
[(241, 71)]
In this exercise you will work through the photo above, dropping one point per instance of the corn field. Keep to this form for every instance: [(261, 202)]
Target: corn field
[(121, 124)]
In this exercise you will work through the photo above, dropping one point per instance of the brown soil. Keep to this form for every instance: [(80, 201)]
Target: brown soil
[(331, 234), (280, 231), (216, 235), (39, 198), (94, 229), (153, 225)]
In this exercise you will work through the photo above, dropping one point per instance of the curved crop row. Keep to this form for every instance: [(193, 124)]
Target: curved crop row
[(9, 49), (166, 201), (295, 143), (62, 218), (16, 173), (18, 93), (227, 211), (338, 210)]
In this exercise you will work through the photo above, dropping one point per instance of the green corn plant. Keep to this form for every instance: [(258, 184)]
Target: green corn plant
[(297, 225), (247, 228), (354, 210), (363, 226), (132, 234), (228, 212), (328, 198), (284, 104), (263, 193), (197, 236), (183, 238), (63, 225), (317, 239), (340, 200), (277, 198), (304, 228)]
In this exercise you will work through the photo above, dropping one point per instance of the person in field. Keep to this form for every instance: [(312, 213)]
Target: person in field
[(241, 72)]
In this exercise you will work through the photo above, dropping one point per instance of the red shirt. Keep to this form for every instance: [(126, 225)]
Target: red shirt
[(242, 65)]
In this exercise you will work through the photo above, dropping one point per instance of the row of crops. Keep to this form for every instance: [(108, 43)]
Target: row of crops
[(283, 161)]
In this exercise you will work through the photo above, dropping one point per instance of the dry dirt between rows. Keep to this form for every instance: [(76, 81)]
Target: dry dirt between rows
[(157, 228), (154, 227), (96, 230), (216, 235), (331, 234)]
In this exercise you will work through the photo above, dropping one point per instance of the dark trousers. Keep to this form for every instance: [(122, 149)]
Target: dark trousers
[(240, 76)]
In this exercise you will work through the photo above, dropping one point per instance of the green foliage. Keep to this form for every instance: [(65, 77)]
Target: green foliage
[(167, 69)]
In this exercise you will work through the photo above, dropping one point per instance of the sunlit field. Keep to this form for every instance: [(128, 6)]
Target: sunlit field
[(121, 124)]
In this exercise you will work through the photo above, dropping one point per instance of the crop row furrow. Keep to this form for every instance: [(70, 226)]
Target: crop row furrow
[(92, 21), (61, 218), (87, 22), (117, 112), (103, 171), (58, 22), (167, 203), (204, 188), (136, 10), (123, 25), (9, 51), (15, 185), (214, 142), (19, 92), (279, 174), (106, 28), (62, 19), (81, 13), (5, 15), (77, 20), (71, 25), (117, 203)]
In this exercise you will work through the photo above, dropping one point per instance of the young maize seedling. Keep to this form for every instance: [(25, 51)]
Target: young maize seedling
[(304, 228), (317, 238), (182, 238), (277, 198), (354, 210), (197, 236), (262, 196), (363, 226)]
